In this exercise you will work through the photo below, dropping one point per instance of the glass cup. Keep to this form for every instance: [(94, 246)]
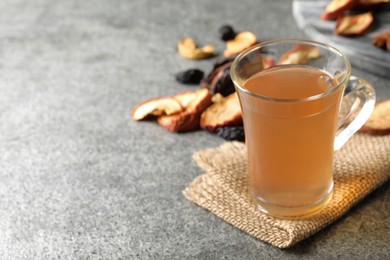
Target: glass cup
[(291, 129)]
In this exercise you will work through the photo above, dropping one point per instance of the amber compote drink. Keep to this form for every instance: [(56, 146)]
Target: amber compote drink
[(292, 122)]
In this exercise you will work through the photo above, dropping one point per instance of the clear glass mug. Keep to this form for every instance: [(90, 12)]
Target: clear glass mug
[(291, 139)]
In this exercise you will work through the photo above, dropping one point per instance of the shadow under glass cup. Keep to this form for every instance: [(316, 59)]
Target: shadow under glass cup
[(296, 112)]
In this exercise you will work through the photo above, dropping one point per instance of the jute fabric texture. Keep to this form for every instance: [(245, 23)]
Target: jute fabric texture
[(360, 166)]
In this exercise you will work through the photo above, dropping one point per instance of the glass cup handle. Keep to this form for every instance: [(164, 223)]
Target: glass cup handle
[(356, 107)]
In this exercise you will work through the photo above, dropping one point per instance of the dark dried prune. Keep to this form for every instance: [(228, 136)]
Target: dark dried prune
[(225, 85), (218, 80), (191, 76), (231, 133), (226, 33)]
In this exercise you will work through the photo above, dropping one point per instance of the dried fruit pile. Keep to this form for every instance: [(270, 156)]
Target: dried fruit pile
[(354, 17), (379, 121), (214, 106)]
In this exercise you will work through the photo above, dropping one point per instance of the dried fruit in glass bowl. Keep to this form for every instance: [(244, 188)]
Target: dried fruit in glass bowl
[(354, 25), (382, 40), (336, 8), (379, 121)]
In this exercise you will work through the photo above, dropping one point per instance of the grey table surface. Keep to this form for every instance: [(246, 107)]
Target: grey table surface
[(80, 180)]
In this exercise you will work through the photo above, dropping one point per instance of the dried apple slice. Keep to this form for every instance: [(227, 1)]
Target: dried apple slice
[(195, 103), (200, 102), (185, 97), (242, 41), (156, 107), (182, 122), (187, 48), (379, 121), (227, 112), (336, 8), (354, 25), (300, 54)]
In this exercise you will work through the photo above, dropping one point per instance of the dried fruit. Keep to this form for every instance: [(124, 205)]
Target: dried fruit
[(242, 41), (231, 133), (227, 112), (216, 98), (195, 103), (336, 8), (379, 121), (156, 107), (218, 80), (187, 48), (382, 40), (182, 122), (227, 33), (225, 84), (354, 25), (191, 76), (299, 54), (185, 97)]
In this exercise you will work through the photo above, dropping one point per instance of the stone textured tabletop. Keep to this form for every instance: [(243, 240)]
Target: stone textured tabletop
[(80, 180)]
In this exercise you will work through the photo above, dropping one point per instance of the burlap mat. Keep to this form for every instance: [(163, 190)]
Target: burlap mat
[(360, 166)]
